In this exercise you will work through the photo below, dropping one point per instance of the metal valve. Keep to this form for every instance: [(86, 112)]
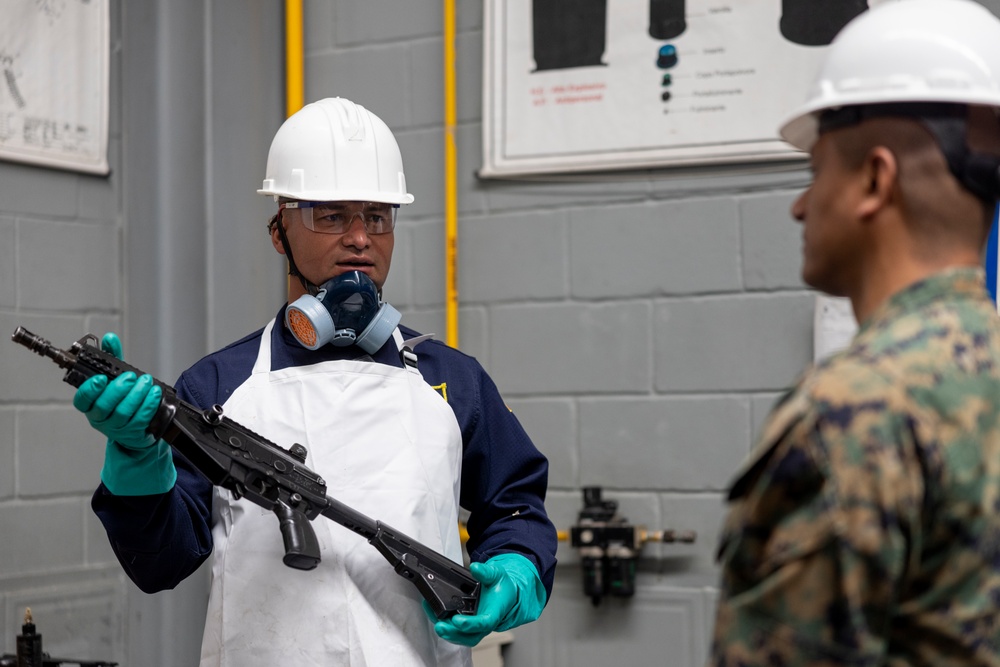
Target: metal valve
[(609, 546)]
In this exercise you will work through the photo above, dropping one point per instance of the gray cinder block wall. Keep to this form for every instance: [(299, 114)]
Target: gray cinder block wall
[(60, 276), (169, 251)]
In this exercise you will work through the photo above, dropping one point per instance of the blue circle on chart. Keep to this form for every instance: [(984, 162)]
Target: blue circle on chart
[(667, 57)]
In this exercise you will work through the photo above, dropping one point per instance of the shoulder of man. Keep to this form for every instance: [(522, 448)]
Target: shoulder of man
[(454, 374)]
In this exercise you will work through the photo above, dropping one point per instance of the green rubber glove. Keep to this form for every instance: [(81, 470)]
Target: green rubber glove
[(512, 594), (135, 463)]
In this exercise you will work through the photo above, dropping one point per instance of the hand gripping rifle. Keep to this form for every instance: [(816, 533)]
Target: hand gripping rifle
[(252, 467)]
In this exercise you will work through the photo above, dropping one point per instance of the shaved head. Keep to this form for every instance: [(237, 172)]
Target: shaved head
[(941, 213)]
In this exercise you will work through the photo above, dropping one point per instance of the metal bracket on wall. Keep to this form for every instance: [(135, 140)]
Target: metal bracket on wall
[(610, 546)]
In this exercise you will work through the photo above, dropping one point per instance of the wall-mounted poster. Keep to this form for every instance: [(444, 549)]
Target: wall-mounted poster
[(54, 60), (587, 85)]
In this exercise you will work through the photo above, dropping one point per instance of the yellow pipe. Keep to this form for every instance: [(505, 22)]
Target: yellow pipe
[(294, 64), (450, 180), (294, 60)]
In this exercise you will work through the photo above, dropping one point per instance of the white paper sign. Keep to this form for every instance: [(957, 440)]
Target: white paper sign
[(54, 63), (584, 85), (834, 326)]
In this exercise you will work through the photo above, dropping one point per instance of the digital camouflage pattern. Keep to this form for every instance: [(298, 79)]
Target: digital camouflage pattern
[(864, 529)]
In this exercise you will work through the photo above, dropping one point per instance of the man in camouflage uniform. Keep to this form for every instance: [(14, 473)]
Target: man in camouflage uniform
[(864, 529)]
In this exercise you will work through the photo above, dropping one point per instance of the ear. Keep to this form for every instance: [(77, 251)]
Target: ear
[(275, 234), (878, 173)]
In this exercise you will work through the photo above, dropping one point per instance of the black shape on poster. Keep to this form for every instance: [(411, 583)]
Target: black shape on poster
[(569, 33), (816, 22), (667, 19)]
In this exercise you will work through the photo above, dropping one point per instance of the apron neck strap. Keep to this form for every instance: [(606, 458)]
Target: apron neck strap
[(263, 363), (406, 347)]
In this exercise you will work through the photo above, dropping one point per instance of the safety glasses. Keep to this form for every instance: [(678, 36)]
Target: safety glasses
[(336, 217)]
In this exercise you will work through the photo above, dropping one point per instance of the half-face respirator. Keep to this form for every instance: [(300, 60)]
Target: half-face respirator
[(346, 311)]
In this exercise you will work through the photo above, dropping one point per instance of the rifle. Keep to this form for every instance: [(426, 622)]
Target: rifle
[(250, 466)]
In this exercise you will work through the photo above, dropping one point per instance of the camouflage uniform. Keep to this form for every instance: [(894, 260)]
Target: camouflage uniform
[(865, 527)]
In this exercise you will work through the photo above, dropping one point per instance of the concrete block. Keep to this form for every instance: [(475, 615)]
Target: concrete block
[(383, 89), (8, 263), (471, 328), (398, 288), (386, 21), (38, 378), (726, 182), (423, 161), (427, 100), (733, 343), (683, 247), (760, 407), (469, 76), (513, 257), (472, 334), (99, 196), (427, 240), (88, 255), (469, 14), (551, 424), (7, 449), (660, 625), (318, 25), (662, 443), (426, 320), (703, 513), (102, 324), (570, 348), (583, 190), (772, 242), (97, 548), (58, 451), (37, 191), (473, 191), (49, 536), (427, 58), (711, 594), (423, 158)]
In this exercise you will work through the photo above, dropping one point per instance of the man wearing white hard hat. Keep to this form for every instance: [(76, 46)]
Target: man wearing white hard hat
[(864, 528), (403, 429)]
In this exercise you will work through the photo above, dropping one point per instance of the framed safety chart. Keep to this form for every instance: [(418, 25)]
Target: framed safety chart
[(54, 64), (588, 85)]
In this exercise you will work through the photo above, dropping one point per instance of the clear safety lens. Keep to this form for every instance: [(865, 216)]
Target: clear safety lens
[(337, 217)]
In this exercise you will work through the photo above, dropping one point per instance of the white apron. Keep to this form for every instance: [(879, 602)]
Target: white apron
[(389, 447)]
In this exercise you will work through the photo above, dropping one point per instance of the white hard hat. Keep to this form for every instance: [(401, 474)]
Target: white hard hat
[(335, 150), (905, 51)]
